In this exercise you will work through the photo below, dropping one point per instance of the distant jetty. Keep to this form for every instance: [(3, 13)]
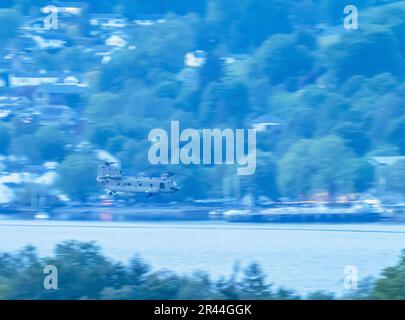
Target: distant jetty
[(276, 213)]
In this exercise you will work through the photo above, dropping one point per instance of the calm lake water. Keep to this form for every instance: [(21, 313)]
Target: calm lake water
[(303, 257)]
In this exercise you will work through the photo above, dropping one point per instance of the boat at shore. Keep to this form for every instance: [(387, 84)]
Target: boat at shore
[(307, 214)]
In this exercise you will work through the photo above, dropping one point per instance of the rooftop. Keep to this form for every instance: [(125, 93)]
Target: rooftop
[(387, 161)]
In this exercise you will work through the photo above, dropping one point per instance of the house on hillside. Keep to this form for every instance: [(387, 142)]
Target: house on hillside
[(149, 19), (69, 90), (108, 21), (10, 106), (66, 8), (61, 115), (102, 52), (233, 58), (116, 40), (266, 121), (24, 79), (48, 41), (195, 59)]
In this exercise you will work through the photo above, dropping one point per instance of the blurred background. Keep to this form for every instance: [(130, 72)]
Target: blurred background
[(113, 70), (86, 83)]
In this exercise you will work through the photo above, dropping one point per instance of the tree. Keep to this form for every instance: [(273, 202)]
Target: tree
[(396, 177), (102, 106), (196, 287), (372, 50), (262, 18), (364, 175), (355, 137), (224, 103), (334, 166), (9, 23), (83, 271), (160, 285), (265, 177), (137, 270), (396, 134), (323, 164), (50, 142), (23, 270), (281, 58), (253, 285), (391, 286), (163, 49), (77, 176), (23, 146), (100, 134), (321, 295), (295, 170), (4, 139)]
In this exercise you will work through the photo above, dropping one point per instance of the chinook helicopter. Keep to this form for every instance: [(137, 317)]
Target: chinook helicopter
[(111, 178)]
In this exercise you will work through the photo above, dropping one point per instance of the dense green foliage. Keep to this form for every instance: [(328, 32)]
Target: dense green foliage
[(339, 93), (11, 19), (392, 283), (77, 167), (85, 273)]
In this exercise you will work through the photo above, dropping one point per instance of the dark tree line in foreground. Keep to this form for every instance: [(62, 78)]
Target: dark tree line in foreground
[(85, 273)]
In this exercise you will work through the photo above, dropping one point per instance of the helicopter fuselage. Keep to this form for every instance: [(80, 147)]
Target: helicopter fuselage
[(130, 184), (111, 178)]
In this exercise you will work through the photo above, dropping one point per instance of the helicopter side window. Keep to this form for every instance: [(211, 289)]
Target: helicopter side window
[(162, 185)]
